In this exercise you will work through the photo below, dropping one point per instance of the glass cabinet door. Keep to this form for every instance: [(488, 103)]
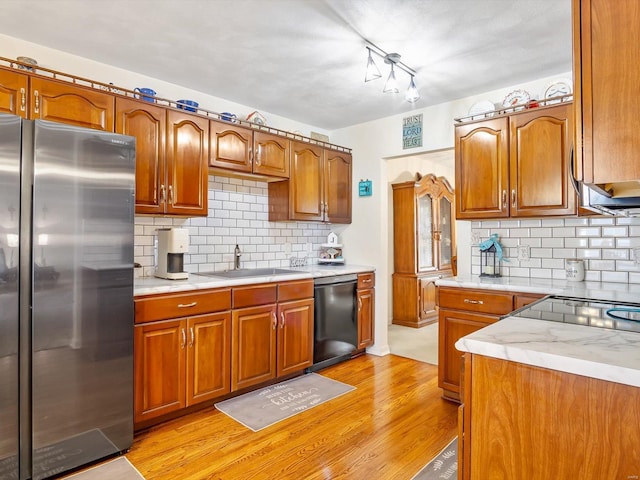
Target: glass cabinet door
[(446, 231), (425, 233)]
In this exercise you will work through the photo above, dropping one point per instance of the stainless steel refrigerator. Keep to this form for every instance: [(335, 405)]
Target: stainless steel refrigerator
[(66, 296)]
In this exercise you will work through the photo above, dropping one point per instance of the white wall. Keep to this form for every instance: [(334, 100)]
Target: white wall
[(83, 67)]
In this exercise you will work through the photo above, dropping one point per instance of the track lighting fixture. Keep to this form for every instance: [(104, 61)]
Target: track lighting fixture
[(391, 86)]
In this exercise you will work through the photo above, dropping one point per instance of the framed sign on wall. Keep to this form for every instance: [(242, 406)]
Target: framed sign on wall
[(412, 131)]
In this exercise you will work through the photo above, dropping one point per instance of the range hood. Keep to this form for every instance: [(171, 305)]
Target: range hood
[(620, 199)]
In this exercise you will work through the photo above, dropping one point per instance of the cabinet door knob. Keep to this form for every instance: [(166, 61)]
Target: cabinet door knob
[(23, 99), (281, 319), (513, 197), (184, 338), (171, 194), (162, 194), (504, 198), (193, 337), (275, 320)]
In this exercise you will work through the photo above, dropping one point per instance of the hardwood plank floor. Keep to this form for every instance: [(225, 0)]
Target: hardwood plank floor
[(388, 428)]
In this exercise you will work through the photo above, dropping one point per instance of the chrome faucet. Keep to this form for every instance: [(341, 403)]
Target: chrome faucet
[(236, 258)]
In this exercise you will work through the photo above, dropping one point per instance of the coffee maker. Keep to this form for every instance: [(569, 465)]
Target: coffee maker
[(173, 243)]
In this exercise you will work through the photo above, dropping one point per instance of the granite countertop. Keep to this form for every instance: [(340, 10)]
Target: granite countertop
[(153, 285), (589, 351)]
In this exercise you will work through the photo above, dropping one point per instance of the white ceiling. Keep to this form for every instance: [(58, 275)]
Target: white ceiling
[(305, 59)]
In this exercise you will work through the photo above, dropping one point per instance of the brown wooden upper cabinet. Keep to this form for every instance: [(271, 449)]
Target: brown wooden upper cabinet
[(607, 99), (516, 165), (42, 99), (14, 93), (319, 188), (171, 158), (240, 149)]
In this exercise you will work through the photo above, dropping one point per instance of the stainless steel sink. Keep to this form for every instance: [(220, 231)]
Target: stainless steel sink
[(247, 272)]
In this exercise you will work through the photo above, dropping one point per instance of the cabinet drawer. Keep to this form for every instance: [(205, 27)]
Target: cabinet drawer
[(181, 305), (255, 295), (295, 290), (475, 300), (366, 280)]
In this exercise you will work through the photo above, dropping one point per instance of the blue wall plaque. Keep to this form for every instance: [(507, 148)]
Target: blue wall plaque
[(365, 188)]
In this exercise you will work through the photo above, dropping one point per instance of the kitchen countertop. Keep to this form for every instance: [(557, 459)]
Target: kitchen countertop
[(589, 351), (153, 285), (610, 291)]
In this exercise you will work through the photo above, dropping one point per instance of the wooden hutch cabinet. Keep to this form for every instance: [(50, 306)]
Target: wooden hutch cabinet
[(516, 165), (424, 244)]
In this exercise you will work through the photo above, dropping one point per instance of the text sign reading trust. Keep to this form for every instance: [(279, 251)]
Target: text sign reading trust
[(412, 131)]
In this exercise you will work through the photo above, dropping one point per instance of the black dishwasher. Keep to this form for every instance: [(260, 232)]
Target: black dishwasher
[(335, 332)]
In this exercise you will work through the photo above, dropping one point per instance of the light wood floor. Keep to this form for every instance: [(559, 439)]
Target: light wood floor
[(388, 428)]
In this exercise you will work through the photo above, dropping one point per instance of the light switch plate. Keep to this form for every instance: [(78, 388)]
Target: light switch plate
[(524, 252)]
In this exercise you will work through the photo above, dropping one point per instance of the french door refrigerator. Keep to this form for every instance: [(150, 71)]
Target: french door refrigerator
[(66, 296)]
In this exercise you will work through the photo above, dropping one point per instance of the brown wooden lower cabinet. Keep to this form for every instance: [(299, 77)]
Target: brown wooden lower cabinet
[(463, 311), (179, 363), (253, 349), (271, 341), (531, 423), (366, 309)]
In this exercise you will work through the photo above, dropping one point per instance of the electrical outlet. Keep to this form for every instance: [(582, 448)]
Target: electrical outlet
[(523, 252)]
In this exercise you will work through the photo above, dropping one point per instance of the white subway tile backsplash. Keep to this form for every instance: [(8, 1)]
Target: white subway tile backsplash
[(606, 243), (588, 231), (615, 231), (541, 232), (602, 242), (567, 232), (238, 214), (552, 222), (573, 242), (575, 222), (619, 277), (553, 242), (602, 221)]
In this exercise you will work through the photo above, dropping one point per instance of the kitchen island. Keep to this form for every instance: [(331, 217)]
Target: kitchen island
[(546, 399)]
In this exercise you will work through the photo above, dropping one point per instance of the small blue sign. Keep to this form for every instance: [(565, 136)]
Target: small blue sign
[(365, 188)]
